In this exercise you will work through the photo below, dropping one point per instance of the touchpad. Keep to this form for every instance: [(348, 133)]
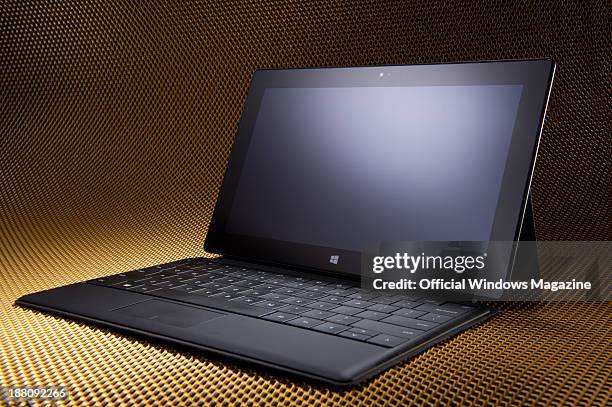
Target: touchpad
[(169, 313)]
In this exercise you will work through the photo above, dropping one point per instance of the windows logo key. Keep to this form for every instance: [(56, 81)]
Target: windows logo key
[(334, 259)]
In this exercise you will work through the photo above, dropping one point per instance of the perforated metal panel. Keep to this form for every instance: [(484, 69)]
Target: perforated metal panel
[(116, 121)]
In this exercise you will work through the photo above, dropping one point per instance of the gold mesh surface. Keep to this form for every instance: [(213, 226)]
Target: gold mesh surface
[(116, 121)]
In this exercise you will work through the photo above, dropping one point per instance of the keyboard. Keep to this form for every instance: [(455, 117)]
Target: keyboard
[(332, 307)]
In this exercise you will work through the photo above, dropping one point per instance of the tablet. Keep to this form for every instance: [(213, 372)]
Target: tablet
[(328, 160)]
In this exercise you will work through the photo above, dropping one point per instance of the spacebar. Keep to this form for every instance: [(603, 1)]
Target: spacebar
[(211, 302)]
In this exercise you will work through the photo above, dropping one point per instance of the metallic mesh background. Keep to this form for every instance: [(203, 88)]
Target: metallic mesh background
[(116, 121)]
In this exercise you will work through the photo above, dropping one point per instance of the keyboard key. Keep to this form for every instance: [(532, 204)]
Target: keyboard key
[(275, 281), (246, 300), (287, 291), (179, 270), (257, 278), (408, 313), (384, 300), (266, 287), (367, 332), (408, 298), (226, 296), (354, 335), (200, 281), (154, 280), (264, 275), (238, 274), (207, 292), (280, 316), (341, 286), (269, 304), (305, 322), (211, 276), (449, 309), (215, 285), (220, 272), (318, 314), (230, 269), (321, 289), (343, 292), (165, 268), (333, 298), (296, 284), (165, 274), (322, 305), (390, 329), (367, 314), (246, 283), (346, 310), (331, 328), (362, 296), (342, 319), (311, 295), (410, 322), (388, 341), (382, 308), (143, 288), (192, 273), (407, 304), (273, 296), (168, 284), (297, 301), (358, 303), (253, 292), (188, 288), (435, 318), (183, 278), (294, 309), (232, 289), (229, 280)]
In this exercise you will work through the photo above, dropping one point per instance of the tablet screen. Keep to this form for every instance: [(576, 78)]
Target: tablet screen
[(343, 166)]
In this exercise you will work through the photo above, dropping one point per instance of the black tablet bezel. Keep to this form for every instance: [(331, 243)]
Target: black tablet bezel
[(535, 75)]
